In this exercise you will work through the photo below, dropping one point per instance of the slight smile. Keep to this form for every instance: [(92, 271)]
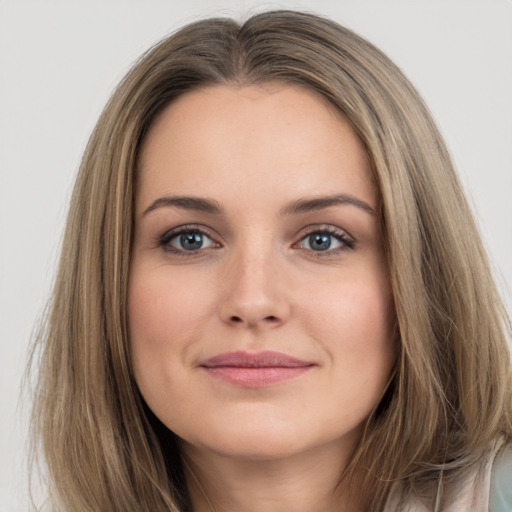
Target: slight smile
[(253, 370)]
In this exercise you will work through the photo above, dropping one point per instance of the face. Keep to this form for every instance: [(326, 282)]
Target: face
[(260, 311)]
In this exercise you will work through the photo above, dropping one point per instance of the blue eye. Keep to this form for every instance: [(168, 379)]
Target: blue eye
[(319, 241), (190, 240), (323, 241)]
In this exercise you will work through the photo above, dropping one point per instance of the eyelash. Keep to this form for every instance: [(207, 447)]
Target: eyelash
[(347, 243), (166, 238)]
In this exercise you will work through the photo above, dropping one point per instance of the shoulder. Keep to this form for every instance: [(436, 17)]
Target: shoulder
[(500, 494)]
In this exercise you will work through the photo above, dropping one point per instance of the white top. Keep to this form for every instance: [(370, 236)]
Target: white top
[(487, 487), (501, 482)]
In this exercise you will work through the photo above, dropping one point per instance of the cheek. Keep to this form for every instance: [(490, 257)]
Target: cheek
[(162, 303), (354, 321), (165, 316), (363, 306), (355, 327)]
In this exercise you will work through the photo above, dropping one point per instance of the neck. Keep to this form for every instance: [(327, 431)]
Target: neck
[(299, 483)]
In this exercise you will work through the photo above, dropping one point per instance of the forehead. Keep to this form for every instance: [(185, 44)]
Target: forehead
[(252, 139)]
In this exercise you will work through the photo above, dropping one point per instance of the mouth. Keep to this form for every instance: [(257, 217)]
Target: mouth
[(254, 370)]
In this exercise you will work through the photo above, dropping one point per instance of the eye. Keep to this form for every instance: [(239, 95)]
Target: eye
[(326, 240), (186, 240)]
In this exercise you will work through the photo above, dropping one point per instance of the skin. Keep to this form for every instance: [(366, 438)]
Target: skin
[(256, 284)]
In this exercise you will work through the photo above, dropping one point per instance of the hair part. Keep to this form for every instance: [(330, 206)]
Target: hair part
[(450, 394)]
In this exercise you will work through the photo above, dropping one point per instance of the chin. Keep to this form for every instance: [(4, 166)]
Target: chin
[(263, 442), (253, 448)]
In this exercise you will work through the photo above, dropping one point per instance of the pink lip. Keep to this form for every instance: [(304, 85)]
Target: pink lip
[(254, 370)]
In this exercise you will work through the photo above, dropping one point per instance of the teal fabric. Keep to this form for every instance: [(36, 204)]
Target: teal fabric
[(501, 482)]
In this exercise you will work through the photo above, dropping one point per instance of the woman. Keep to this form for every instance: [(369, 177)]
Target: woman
[(272, 294)]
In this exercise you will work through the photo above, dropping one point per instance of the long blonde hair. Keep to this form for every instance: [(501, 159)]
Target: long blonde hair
[(450, 394)]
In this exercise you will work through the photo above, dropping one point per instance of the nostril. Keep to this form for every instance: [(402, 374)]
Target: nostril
[(270, 318)]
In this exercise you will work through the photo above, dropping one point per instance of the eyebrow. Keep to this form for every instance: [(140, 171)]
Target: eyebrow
[(197, 204), (305, 205), (302, 205)]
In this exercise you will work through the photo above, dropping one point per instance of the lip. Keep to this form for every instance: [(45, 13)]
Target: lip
[(253, 370)]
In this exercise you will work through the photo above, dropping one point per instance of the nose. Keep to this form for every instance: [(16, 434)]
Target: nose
[(255, 293)]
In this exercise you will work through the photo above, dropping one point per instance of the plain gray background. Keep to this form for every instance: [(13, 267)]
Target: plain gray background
[(59, 62)]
